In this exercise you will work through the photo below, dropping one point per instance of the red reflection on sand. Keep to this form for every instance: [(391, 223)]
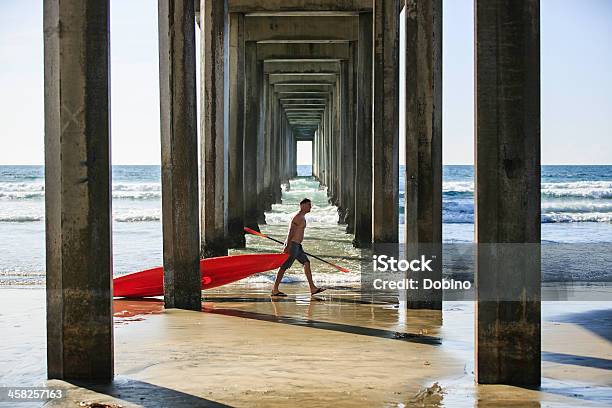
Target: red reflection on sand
[(129, 310)]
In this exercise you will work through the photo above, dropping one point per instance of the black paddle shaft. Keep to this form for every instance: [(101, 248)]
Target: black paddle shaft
[(314, 256)]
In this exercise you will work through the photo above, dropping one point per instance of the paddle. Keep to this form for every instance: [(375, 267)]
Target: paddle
[(259, 234)]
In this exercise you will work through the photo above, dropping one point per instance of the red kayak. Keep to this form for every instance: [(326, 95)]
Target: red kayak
[(215, 272)]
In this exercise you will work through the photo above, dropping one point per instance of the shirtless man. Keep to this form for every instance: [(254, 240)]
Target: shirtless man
[(293, 247)]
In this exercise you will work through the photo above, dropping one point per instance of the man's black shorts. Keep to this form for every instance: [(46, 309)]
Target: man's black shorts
[(295, 252)]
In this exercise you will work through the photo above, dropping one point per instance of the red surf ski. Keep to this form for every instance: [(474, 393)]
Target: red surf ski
[(215, 272)]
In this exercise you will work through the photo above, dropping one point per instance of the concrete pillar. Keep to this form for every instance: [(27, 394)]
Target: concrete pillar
[(276, 150), (214, 187), (343, 150), (335, 144), (235, 157), (268, 143), (179, 146), (349, 145), (386, 121), (508, 192), (423, 192), (261, 144), (363, 138), (78, 190), (252, 167)]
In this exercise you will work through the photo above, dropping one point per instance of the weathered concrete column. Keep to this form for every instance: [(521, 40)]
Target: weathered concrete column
[(179, 161), (261, 145), (276, 149), (78, 190), (349, 145), (235, 196), (252, 168), (423, 192), (508, 192), (213, 17), (335, 145), (386, 121), (363, 138), (342, 142), (267, 199)]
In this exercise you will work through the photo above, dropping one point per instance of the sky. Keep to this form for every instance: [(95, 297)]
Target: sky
[(576, 72)]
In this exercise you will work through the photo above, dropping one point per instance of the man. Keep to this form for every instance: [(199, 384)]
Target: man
[(293, 247)]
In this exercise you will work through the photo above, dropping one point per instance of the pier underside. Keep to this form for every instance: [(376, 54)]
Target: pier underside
[(274, 73)]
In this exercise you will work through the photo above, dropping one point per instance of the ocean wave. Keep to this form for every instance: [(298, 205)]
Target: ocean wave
[(458, 187), (21, 218), (22, 195), (576, 217), (137, 195), (137, 187), (21, 187), (578, 189)]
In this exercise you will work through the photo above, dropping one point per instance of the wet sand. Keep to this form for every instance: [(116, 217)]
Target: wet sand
[(244, 349)]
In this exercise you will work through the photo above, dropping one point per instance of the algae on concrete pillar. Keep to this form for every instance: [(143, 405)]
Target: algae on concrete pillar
[(363, 138), (423, 191), (235, 154), (507, 170), (386, 122), (213, 18), (78, 190)]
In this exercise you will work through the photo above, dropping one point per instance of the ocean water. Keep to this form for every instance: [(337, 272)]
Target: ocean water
[(576, 208)]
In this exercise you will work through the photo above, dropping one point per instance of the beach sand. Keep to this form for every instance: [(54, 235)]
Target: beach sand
[(246, 350)]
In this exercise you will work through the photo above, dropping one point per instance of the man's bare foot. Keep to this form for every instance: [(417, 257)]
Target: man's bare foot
[(318, 290)]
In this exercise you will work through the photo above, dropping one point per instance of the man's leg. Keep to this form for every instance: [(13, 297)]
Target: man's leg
[(279, 277), (308, 274)]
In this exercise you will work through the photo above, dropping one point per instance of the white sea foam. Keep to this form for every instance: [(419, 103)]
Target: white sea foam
[(298, 277), (579, 189), (21, 218)]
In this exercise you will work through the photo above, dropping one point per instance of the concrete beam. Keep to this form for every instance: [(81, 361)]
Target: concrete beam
[(179, 145), (302, 51), (287, 29), (78, 190), (301, 6), (213, 130), (295, 67), (507, 192)]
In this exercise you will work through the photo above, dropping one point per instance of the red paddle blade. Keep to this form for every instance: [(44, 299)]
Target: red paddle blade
[(252, 231)]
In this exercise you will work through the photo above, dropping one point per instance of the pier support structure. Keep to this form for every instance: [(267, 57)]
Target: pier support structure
[(179, 158), (423, 186), (507, 192), (363, 136), (213, 132), (385, 157), (78, 190), (273, 74)]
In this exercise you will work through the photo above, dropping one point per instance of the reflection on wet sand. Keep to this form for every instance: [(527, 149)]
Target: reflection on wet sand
[(410, 357)]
